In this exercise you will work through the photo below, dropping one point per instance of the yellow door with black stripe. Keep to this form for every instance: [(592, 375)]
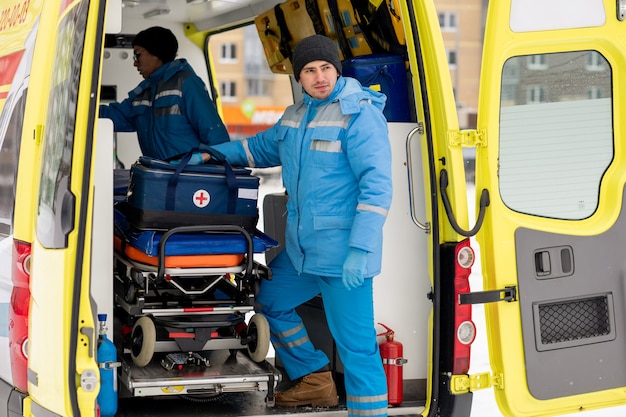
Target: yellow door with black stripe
[(63, 376)]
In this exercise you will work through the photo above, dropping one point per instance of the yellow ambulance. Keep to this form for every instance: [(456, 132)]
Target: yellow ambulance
[(543, 214)]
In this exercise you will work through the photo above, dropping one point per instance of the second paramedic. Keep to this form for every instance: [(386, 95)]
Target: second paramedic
[(336, 167), (170, 110)]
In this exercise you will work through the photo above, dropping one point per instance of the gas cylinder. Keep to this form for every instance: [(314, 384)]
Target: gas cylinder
[(391, 353), (107, 364)]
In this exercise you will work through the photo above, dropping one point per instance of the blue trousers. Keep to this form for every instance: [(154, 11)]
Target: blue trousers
[(350, 317)]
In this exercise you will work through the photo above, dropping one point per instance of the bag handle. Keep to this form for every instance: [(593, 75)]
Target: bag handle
[(231, 183)]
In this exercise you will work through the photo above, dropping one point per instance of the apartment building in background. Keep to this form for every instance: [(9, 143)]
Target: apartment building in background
[(253, 98), (462, 27)]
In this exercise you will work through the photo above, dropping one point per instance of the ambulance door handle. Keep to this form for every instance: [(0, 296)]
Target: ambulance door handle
[(484, 203), (542, 263), (67, 212), (409, 167), (508, 294)]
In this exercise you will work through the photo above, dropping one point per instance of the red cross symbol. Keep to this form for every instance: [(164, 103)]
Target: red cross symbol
[(201, 198)]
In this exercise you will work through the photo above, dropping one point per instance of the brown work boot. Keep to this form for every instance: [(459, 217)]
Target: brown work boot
[(317, 390)]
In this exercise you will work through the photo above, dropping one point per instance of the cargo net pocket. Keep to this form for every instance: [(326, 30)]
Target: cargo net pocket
[(574, 320)]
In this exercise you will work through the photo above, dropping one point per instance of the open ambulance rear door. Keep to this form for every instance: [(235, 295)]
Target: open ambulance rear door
[(63, 376), (551, 156)]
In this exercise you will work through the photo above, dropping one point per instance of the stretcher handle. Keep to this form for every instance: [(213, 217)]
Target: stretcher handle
[(220, 228)]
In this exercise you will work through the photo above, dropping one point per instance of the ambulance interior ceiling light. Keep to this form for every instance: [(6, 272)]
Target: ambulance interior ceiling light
[(157, 12)]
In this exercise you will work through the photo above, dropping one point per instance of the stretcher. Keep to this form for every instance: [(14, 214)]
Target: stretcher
[(186, 292)]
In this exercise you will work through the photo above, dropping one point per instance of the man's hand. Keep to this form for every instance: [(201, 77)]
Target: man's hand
[(354, 268), (196, 159)]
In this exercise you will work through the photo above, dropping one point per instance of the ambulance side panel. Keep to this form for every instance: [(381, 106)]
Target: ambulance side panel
[(23, 58), (18, 33)]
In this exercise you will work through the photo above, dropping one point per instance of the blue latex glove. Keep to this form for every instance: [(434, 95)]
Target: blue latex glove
[(354, 268), (196, 159)]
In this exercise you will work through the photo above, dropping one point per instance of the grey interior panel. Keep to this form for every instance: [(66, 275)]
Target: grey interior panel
[(571, 292)]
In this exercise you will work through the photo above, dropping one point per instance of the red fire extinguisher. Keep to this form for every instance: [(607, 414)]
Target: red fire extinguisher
[(391, 353)]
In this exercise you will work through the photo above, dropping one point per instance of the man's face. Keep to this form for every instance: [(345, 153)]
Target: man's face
[(145, 62), (318, 78)]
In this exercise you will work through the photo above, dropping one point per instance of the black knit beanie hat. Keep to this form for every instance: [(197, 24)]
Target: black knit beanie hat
[(315, 48), (159, 41)]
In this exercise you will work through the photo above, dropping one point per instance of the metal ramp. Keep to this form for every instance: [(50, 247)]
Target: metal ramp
[(227, 372)]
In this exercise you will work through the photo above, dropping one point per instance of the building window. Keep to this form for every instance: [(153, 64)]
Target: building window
[(258, 87), (508, 94), (228, 90), (594, 92), (452, 58), (448, 21), (537, 62), (535, 95), (595, 61), (228, 52)]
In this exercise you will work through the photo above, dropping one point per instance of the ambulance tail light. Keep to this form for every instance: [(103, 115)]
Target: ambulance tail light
[(465, 328), (18, 314)]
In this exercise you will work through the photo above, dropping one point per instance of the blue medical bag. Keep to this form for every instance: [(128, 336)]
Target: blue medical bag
[(162, 196)]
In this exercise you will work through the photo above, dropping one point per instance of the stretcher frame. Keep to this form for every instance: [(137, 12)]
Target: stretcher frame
[(198, 324)]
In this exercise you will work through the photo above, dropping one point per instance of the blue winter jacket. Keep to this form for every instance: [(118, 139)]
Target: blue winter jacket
[(171, 111), (336, 167)]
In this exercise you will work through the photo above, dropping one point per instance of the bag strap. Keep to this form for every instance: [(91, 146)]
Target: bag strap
[(333, 6), (231, 183), (170, 192), (233, 190), (285, 36), (313, 10)]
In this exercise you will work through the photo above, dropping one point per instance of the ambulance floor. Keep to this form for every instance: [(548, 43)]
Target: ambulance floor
[(251, 403)]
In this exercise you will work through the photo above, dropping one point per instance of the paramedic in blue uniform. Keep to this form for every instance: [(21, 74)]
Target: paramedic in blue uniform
[(336, 166), (170, 110)]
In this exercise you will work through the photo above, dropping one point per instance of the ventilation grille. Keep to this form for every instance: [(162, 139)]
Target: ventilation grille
[(574, 320)]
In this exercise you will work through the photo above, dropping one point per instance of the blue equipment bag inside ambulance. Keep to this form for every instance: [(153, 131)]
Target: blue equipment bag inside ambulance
[(387, 74), (162, 196)]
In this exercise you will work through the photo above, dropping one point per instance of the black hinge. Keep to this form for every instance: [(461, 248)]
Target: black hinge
[(481, 297)]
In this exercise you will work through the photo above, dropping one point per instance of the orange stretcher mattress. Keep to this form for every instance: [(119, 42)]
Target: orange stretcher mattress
[(178, 261)]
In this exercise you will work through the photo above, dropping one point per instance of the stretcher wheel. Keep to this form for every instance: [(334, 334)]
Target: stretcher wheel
[(258, 338), (142, 341)]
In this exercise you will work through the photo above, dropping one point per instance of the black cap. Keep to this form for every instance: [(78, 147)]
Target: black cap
[(159, 41), (315, 48)]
